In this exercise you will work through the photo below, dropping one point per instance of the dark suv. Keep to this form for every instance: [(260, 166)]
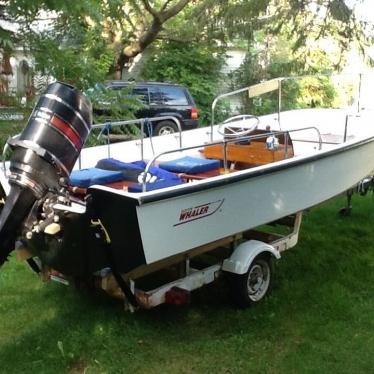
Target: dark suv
[(160, 99)]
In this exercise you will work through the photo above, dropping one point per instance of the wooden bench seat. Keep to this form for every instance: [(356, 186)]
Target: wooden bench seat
[(254, 153)]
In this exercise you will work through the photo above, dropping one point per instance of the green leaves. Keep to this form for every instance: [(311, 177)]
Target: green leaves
[(340, 11), (280, 60), (193, 65), (88, 41), (6, 39)]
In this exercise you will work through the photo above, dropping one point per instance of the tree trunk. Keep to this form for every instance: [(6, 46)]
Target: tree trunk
[(148, 36), (119, 65)]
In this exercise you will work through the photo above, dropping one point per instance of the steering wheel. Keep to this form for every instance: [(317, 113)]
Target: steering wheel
[(237, 126)]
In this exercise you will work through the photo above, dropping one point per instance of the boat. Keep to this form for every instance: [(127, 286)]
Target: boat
[(125, 210)]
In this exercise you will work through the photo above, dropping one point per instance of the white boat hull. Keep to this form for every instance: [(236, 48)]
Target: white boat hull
[(169, 226)]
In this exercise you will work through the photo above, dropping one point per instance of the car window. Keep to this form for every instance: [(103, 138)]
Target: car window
[(154, 96), (174, 96), (142, 94)]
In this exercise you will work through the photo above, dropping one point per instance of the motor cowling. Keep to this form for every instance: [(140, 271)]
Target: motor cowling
[(43, 155)]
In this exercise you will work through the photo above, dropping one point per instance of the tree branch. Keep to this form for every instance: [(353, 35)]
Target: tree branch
[(165, 5), (151, 33), (149, 9), (173, 11), (176, 39)]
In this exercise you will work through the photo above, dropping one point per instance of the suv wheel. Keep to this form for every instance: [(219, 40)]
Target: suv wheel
[(165, 128)]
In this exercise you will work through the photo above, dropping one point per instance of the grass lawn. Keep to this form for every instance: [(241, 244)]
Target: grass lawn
[(318, 319), (9, 128)]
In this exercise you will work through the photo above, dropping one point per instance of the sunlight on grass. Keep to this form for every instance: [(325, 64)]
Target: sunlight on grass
[(318, 319)]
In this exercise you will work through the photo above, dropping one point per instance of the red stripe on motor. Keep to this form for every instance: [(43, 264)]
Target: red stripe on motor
[(65, 128)]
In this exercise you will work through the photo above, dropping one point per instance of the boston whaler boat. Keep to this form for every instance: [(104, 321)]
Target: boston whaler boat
[(183, 204)]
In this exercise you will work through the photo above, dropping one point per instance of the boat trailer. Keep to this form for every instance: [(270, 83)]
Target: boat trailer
[(245, 259)]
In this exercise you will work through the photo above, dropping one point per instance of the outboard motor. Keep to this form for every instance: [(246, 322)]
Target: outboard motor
[(43, 155)]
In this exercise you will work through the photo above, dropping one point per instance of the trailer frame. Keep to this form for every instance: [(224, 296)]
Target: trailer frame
[(243, 249)]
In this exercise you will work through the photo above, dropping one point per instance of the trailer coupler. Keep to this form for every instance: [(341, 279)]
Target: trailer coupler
[(362, 188), (365, 185)]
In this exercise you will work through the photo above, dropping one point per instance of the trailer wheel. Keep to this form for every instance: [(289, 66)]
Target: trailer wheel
[(251, 287)]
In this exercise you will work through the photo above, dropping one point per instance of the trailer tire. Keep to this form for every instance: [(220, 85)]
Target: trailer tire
[(251, 287)]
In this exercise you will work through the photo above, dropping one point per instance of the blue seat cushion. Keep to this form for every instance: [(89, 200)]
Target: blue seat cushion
[(190, 165), (87, 177), (161, 183), (133, 171)]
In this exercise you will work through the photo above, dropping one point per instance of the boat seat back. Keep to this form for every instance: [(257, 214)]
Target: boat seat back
[(156, 185), (190, 165), (87, 177), (134, 171)]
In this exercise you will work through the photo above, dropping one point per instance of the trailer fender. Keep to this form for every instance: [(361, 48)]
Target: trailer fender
[(243, 255)]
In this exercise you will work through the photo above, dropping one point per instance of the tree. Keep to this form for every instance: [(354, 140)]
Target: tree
[(304, 19), (125, 28), (199, 70), (6, 45), (146, 28), (88, 39), (309, 67)]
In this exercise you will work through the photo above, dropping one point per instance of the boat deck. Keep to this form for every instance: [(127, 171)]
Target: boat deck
[(232, 157)]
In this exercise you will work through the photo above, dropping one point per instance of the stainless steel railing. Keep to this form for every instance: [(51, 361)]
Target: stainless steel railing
[(276, 85), (142, 121), (225, 142)]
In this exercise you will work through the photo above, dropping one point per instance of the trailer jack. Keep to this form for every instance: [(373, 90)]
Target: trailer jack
[(362, 188)]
